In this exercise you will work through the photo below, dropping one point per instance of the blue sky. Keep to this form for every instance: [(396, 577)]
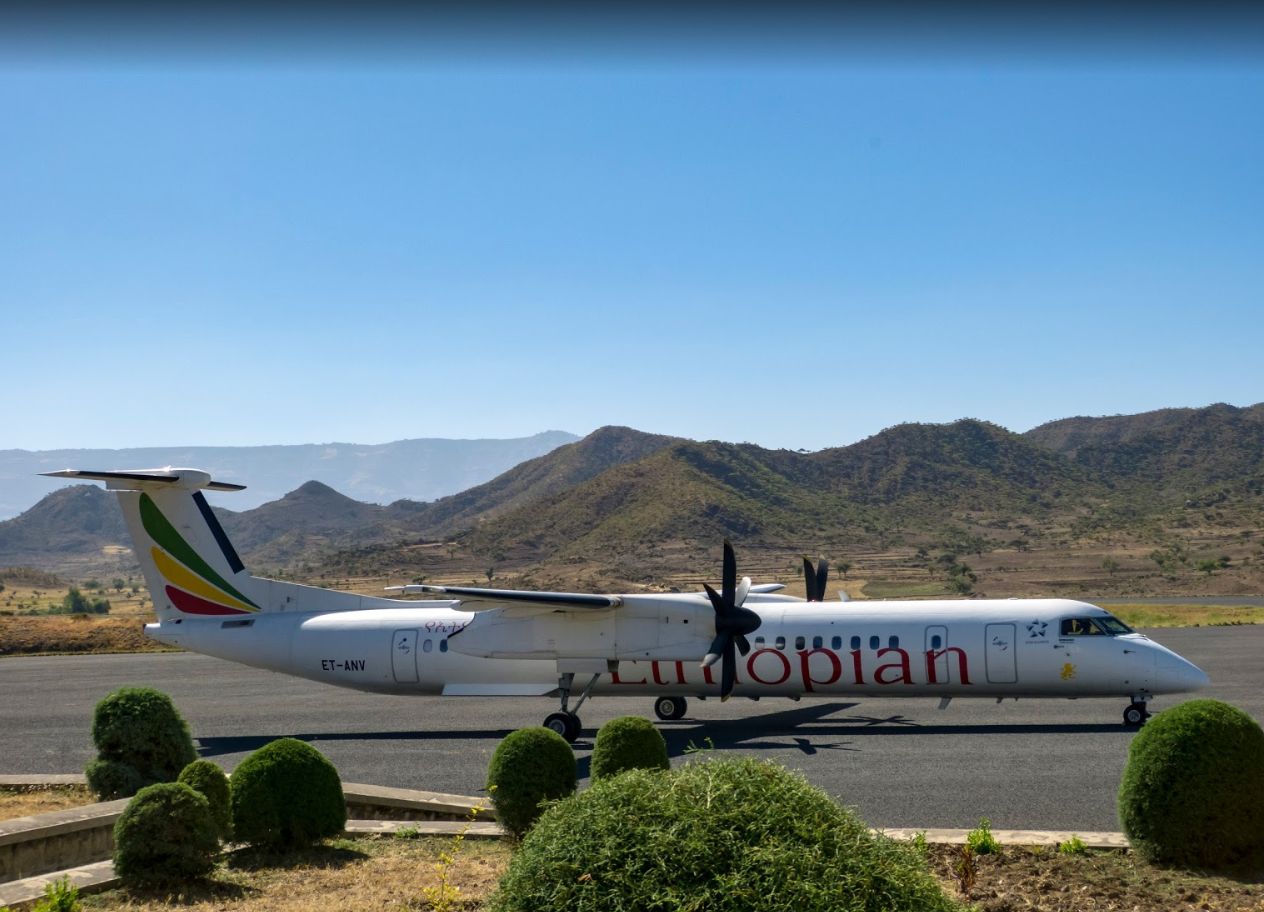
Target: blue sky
[(796, 250)]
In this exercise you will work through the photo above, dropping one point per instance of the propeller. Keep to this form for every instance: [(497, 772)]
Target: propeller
[(814, 580), (732, 622)]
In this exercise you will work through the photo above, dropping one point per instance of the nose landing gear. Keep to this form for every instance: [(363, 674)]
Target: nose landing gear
[(1136, 713)]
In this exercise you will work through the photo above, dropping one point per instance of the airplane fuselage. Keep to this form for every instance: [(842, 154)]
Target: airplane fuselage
[(943, 648)]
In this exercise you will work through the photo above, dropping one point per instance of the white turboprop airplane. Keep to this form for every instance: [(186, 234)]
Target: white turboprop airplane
[(487, 642)]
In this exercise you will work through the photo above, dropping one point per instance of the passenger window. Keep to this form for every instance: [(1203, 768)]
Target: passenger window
[(1079, 627), (936, 642), (443, 645), (759, 642), (800, 642), (893, 642), (837, 643), (817, 642), (426, 646), (781, 642), (855, 642), (875, 642)]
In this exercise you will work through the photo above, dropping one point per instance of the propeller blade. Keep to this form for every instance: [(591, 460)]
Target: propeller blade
[(743, 644), (728, 582), (822, 575), (728, 670), (743, 590), (715, 650), (716, 602), (809, 580)]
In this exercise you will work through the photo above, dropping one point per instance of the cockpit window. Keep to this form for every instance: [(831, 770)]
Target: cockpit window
[(1080, 627), (1094, 626), (1113, 625)]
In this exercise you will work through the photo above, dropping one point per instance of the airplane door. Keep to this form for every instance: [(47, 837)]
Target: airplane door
[(404, 656), (1002, 665), (937, 641)]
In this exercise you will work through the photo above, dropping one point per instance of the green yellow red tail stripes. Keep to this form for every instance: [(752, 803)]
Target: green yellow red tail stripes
[(192, 584)]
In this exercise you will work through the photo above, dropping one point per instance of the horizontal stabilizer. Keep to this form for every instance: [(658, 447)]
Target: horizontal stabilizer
[(138, 479), (564, 600)]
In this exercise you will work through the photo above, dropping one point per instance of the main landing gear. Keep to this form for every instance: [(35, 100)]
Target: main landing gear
[(1136, 713), (670, 708), (566, 723)]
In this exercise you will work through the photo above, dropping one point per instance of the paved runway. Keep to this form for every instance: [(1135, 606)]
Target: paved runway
[(1027, 764)]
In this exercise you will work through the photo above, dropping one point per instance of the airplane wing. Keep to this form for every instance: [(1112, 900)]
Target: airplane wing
[(567, 601)]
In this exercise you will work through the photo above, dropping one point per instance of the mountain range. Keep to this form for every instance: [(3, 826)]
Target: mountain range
[(634, 502), (418, 469)]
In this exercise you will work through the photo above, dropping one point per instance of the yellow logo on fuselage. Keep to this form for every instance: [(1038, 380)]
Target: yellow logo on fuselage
[(1068, 671)]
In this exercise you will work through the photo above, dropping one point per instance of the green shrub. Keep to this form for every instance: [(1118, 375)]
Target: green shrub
[(981, 839), (137, 727), (629, 742), (287, 794), (718, 835), (110, 779), (209, 781), (59, 896), (1192, 794), (529, 766), (166, 835), (1073, 846)]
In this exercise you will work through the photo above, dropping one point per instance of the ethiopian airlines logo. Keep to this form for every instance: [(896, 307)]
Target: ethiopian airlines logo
[(192, 584)]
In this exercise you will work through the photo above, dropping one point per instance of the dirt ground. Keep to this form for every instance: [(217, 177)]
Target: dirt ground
[(22, 801), (1023, 879), (392, 873), (61, 633)]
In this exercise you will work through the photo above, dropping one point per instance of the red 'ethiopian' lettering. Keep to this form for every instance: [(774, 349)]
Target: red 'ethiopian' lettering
[(906, 675), (932, 655), (785, 666), (615, 679), (836, 668)]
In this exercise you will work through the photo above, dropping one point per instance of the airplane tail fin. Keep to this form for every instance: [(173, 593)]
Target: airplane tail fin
[(189, 564)]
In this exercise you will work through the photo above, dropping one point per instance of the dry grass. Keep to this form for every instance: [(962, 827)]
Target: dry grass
[(371, 873), (43, 634), (1187, 615), (376, 873), (1023, 879), (23, 801)]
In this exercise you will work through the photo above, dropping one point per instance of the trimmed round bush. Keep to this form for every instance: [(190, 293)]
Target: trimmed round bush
[(111, 779), (629, 742), (1192, 794), (529, 766), (209, 781), (740, 835), (285, 795), (165, 835), (137, 727)]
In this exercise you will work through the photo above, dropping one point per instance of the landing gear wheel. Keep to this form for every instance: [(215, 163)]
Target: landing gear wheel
[(565, 724), (1135, 715), (670, 708)]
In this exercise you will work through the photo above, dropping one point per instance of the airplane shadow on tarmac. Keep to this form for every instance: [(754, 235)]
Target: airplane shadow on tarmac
[(804, 729)]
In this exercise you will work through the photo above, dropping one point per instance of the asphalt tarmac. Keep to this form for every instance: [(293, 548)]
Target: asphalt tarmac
[(1024, 764)]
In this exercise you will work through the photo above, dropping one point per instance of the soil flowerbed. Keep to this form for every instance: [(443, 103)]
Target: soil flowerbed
[(393, 873)]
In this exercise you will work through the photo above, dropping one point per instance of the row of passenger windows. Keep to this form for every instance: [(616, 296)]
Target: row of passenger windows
[(428, 645), (818, 642)]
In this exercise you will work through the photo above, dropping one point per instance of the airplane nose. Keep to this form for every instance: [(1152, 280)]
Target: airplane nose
[(1178, 675)]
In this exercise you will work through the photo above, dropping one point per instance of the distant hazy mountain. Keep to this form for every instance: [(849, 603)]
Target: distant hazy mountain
[(623, 496), (422, 469)]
